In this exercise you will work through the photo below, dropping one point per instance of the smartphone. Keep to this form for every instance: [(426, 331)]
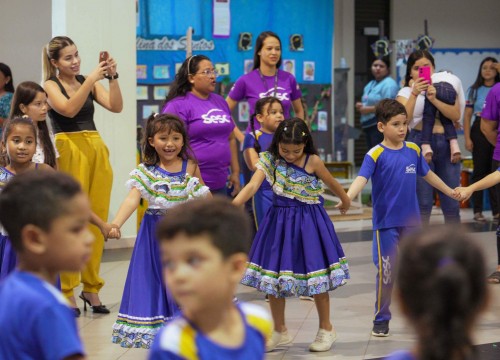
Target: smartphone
[(103, 56), (425, 72)]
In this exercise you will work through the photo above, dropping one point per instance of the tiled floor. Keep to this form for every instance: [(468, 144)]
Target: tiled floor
[(352, 305)]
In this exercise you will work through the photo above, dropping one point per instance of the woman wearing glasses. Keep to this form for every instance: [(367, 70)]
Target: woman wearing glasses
[(266, 79), (208, 123)]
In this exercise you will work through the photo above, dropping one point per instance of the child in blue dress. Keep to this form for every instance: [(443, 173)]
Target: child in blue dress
[(296, 250), (166, 178), (18, 147), (269, 114), (46, 215), (441, 288)]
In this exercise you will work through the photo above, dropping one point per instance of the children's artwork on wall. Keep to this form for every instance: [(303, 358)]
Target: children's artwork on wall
[(142, 72), (289, 66), (309, 69), (160, 92), (147, 110), (161, 72), (403, 50), (322, 121), (177, 67), (142, 93), (222, 68), (245, 41), (247, 66), (243, 111), (296, 42), (221, 18)]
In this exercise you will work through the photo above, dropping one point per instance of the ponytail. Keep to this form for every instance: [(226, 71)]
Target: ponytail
[(256, 144), (51, 51)]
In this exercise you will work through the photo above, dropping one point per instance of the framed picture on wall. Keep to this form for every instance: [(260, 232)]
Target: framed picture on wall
[(142, 92), (309, 70), (147, 110), (142, 72), (160, 92), (222, 69), (289, 66), (161, 72), (243, 111), (247, 66)]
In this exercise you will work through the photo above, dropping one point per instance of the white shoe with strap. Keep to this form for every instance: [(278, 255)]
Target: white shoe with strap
[(278, 339), (324, 340)]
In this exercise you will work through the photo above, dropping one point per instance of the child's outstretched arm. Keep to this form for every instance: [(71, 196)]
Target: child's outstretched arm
[(439, 184), (322, 172), (128, 206), (485, 183), (250, 189)]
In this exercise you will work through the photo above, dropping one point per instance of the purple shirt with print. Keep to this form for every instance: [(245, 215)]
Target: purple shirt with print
[(252, 88), (209, 125), (491, 111)]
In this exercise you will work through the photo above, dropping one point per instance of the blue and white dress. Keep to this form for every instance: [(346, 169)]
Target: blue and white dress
[(296, 250), (146, 303)]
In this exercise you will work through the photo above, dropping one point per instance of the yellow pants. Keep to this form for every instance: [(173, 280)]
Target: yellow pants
[(85, 156)]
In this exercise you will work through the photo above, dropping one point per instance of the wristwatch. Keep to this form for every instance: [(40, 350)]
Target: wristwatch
[(114, 77)]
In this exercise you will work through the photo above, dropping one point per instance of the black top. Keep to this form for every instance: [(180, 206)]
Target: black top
[(84, 120)]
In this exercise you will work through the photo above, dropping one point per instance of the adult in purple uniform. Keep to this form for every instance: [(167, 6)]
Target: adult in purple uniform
[(266, 79), (208, 122), (490, 124)]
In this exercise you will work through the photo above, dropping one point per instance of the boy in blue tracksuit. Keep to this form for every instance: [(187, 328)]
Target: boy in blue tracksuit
[(393, 165)]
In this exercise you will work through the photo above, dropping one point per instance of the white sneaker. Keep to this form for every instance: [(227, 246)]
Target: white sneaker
[(324, 340), (278, 339)]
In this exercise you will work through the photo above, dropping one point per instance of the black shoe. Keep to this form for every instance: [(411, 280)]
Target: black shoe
[(381, 329), (77, 312), (98, 309)]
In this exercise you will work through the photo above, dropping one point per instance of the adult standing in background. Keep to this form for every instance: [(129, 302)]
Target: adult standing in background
[(475, 141), (208, 122), (83, 154), (6, 92), (412, 96), (266, 79), (490, 122), (381, 87)]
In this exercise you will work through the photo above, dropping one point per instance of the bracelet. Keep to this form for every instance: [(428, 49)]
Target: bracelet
[(114, 77)]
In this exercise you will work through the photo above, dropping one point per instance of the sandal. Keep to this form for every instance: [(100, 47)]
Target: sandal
[(494, 278)]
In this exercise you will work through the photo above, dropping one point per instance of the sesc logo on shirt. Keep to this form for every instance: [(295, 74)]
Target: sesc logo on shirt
[(215, 116), (281, 96), (411, 169)]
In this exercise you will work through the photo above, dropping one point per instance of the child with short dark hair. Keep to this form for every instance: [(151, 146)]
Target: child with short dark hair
[(204, 245), (393, 166), (46, 215), (440, 285)]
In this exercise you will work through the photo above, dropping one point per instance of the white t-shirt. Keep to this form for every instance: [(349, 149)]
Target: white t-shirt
[(442, 76), (39, 156)]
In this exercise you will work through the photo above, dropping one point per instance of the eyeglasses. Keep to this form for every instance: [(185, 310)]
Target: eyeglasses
[(209, 73)]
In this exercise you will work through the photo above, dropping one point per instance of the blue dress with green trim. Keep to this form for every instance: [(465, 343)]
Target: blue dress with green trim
[(296, 250), (146, 303)]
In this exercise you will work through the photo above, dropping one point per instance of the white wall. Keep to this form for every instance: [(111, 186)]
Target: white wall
[(25, 26), (96, 25)]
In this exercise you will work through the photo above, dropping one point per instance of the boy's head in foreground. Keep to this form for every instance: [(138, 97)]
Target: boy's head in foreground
[(442, 288), (46, 216), (204, 245), (392, 120)]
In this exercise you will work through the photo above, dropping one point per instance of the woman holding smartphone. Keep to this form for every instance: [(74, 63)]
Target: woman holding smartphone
[(416, 89), (83, 154)]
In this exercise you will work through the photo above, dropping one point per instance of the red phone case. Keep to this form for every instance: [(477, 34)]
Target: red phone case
[(103, 56), (425, 72)]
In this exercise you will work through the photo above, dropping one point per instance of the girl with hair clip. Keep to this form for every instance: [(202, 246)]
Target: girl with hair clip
[(266, 79), (296, 250), (475, 141), (167, 177), (17, 148), (30, 100), (269, 114), (441, 289), (6, 92), (208, 122), (83, 154)]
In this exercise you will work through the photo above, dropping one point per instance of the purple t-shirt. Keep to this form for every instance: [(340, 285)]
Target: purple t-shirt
[(209, 125), (252, 88), (491, 111)]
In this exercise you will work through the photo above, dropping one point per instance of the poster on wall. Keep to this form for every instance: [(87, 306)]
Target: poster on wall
[(243, 111), (147, 110), (142, 72), (161, 72), (142, 93), (247, 66), (221, 18), (289, 66), (322, 121), (222, 69), (309, 70), (160, 92)]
